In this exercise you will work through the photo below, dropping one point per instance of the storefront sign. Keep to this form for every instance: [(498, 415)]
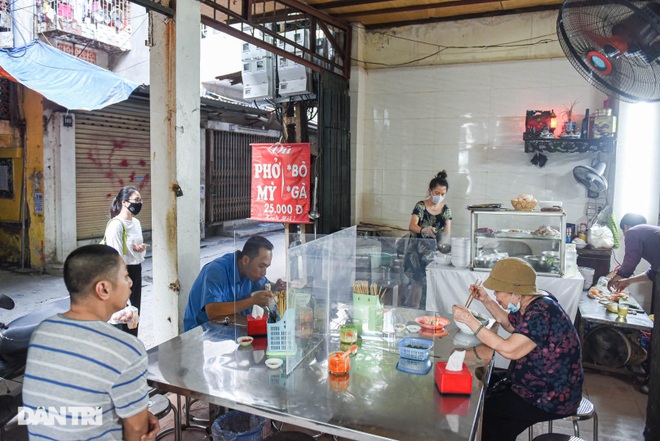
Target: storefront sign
[(280, 183)]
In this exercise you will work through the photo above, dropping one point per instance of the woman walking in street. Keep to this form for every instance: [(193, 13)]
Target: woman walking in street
[(124, 233)]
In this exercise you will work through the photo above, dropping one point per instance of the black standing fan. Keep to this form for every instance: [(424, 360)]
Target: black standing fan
[(614, 44)]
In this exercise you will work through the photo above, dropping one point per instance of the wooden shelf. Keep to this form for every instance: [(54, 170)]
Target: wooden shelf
[(566, 145)]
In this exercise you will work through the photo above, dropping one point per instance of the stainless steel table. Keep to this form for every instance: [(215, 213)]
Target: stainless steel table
[(592, 311), (375, 401)]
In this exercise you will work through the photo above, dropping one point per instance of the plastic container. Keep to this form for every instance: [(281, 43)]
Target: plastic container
[(237, 425), (281, 335), (588, 274), (417, 367), (414, 348), (570, 264)]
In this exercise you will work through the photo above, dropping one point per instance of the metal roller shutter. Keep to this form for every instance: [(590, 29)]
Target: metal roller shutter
[(112, 150)]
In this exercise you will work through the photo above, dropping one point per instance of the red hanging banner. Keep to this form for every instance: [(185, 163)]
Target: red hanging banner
[(280, 183)]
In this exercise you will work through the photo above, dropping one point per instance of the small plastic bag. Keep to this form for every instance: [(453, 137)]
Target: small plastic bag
[(128, 316), (600, 236)]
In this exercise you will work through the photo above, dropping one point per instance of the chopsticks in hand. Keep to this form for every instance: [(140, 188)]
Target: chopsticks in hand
[(468, 302)]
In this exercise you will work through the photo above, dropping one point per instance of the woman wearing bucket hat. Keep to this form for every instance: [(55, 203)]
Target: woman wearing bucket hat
[(544, 379)]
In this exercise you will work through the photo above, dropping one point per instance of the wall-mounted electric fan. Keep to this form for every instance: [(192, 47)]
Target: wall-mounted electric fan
[(614, 44)]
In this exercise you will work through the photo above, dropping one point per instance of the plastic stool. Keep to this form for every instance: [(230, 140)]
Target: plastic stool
[(160, 406), (557, 437), (585, 411), (290, 436)]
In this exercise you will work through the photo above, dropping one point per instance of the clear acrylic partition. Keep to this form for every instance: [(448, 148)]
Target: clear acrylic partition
[(335, 279), (390, 281), (321, 273)]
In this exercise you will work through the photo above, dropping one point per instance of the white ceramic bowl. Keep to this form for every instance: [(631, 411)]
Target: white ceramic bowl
[(414, 328), (465, 328), (246, 340), (399, 327), (274, 363)]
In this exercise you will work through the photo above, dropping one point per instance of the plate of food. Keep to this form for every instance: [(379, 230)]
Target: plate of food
[(435, 333), (432, 322)]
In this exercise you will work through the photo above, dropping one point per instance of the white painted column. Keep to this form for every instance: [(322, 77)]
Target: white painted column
[(175, 162), (60, 237), (357, 93)]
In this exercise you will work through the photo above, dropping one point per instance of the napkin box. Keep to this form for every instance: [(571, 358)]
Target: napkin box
[(453, 382), (257, 326)]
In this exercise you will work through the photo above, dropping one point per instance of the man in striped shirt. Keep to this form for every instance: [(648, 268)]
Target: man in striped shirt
[(86, 379)]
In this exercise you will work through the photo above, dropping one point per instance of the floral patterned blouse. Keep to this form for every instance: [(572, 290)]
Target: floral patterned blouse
[(550, 377), (427, 219)]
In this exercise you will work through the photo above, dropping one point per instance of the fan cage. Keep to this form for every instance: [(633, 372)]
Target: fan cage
[(584, 26)]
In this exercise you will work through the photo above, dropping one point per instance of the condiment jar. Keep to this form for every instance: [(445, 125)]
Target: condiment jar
[(338, 364), (348, 333)]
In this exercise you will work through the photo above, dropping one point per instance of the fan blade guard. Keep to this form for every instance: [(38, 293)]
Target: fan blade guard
[(591, 177), (614, 44)]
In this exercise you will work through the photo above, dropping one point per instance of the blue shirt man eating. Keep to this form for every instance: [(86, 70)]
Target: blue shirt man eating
[(231, 284)]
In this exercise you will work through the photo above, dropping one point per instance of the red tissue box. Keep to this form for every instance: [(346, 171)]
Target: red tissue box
[(257, 326), (452, 382)]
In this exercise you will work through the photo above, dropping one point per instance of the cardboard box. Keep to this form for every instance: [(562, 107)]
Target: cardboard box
[(453, 382), (604, 126)]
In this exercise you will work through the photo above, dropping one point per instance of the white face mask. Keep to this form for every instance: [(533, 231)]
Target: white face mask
[(437, 199)]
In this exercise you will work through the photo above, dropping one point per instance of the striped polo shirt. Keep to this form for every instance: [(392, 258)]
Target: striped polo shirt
[(81, 378)]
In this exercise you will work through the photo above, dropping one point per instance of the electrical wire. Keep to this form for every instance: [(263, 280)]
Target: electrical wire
[(526, 42)]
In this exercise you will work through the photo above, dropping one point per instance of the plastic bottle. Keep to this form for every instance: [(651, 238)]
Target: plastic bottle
[(570, 261)]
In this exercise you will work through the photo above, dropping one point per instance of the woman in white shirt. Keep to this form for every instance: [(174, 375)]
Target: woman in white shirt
[(124, 233)]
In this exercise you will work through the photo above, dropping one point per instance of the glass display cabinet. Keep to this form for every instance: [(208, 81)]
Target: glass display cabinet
[(535, 236)]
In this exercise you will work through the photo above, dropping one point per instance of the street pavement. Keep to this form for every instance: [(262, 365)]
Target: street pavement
[(31, 290)]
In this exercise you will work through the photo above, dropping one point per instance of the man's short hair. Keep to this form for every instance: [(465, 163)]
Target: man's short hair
[(254, 244), (631, 219), (88, 264)]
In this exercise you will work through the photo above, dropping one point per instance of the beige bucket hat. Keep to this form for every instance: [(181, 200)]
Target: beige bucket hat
[(513, 275)]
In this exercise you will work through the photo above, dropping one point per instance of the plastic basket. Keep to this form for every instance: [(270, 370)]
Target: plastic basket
[(414, 353), (237, 425), (417, 367), (282, 335)]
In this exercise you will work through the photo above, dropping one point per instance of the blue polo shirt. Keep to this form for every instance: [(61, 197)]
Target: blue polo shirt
[(218, 281)]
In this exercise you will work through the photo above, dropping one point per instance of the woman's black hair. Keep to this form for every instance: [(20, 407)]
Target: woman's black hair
[(440, 179), (124, 194), (631, 219)]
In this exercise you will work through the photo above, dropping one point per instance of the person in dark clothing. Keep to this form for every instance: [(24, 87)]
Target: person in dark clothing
[(643, 242)]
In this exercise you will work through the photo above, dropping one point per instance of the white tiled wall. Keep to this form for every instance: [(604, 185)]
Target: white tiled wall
[(467, 119)]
